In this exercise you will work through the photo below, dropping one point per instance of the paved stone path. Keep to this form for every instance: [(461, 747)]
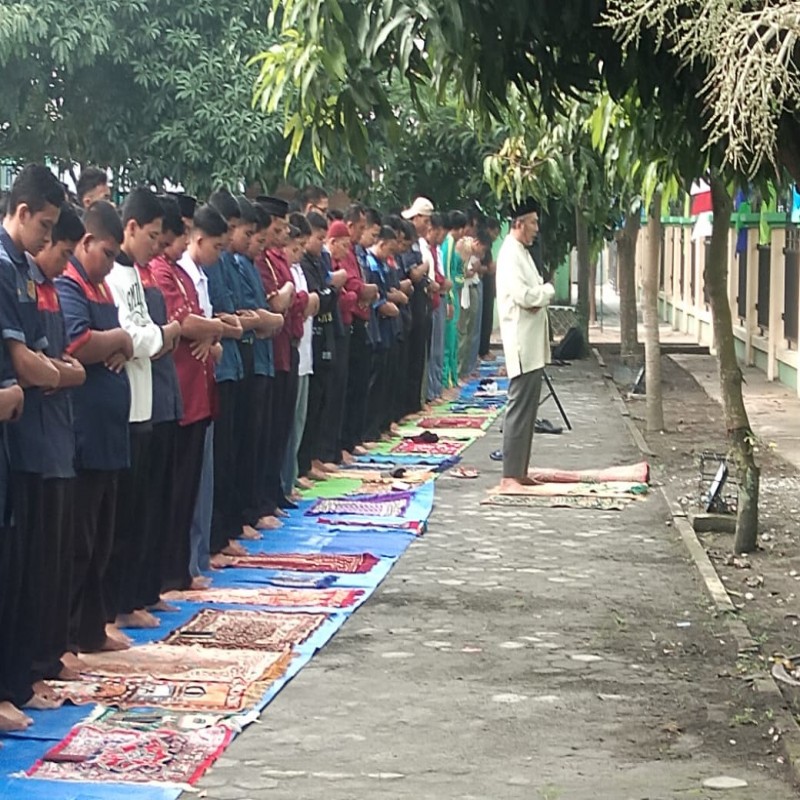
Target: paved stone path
[(519, 653)]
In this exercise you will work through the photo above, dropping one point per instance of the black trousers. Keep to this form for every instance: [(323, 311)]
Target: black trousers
[(132, 527), (226, 522), (265, 446), (95, 515), (418, 342), (43, 511), (487, 314), (330, 441), (15, 661), (284, 401), (358, 381), (250, 423), (185, 467), (320, 386), (378, 399), (399, 396)]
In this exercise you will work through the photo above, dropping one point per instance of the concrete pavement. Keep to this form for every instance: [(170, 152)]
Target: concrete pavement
[(521, 653)]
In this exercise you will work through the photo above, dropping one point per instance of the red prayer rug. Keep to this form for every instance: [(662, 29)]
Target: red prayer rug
[(429, 448), (307, 562), (192, 679), (103, 753), (453, 422), (248, 630), (290, 598)]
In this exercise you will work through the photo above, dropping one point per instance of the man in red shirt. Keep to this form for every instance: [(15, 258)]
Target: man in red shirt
[(282, 297), (195, 355)]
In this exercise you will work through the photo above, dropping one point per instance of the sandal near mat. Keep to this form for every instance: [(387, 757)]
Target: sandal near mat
[(464, 472), (496, 455)]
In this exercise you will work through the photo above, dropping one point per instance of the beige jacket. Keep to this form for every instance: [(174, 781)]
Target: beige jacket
[(522, 300)]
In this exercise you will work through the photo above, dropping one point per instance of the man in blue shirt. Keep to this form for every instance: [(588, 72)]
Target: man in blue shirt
[(101, 408), (34, 205), (42, 452)]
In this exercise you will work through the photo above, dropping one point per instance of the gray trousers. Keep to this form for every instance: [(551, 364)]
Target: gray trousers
[(200, 533), (290, 470), (469, 326), (436, 360), (523, 403)]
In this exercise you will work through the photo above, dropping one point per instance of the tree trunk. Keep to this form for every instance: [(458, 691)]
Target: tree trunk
[(730, 375), (582, 247), (626, 282), (593, 290), (652, 344)]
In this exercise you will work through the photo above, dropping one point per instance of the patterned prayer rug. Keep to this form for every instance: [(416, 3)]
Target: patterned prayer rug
[(103, 753), (376, 506), (248, 630), (614, 489), (429, 448), (290, 598), (413, 526), (153, 719), (307, 562), (577, 501), (474, 421), (192, 679)]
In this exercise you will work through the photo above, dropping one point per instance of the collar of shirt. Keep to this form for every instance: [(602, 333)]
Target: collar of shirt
[(200, 281), (14, 253), (36, 273)]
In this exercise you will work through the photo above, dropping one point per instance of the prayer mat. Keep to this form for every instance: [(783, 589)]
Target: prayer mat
[(192, 679), (286, 580), (103, 753), (414, 526), (246, 630), (474, 421), (429, 448), (152, 719), (307, 562), (594, 503), (389, 505), (290, 598), (616, 489), (633, 473)]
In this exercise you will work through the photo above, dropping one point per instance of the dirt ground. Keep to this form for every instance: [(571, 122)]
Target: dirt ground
[(765, 584)]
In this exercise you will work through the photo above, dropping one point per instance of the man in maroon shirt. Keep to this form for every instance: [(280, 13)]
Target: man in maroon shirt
[(282, 297)]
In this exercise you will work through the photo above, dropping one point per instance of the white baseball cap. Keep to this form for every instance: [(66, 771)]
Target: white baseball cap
[(421, 207)]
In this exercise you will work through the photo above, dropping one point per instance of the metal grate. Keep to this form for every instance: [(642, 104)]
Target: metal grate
[(791, 278), (562, 318), (762, 304), (741, 298), (718, 489)]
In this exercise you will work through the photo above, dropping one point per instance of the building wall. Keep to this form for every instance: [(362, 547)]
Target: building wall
[(763, 290)]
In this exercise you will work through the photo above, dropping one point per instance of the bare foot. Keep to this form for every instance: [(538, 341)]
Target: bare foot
[(114, 631), (510, 484), (164, 606), (200, 582), (39, 703), (12, 719), (217, 561), (71, 661), (316, 475), (295, 496), (360, 450), (233, 549), (69, 674), (347, 458), (281, 513), (112, 645), (269, 523), (250, 533), (305, 483), (329, 467), (41, 689), (137, 619)]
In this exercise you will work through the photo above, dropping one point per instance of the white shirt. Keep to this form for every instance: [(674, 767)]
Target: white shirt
[(200, 281), (306, 366), (135, 320), (427, 257), (522, 300)]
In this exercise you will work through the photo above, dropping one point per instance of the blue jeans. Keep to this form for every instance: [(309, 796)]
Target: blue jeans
[(436, 359)]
